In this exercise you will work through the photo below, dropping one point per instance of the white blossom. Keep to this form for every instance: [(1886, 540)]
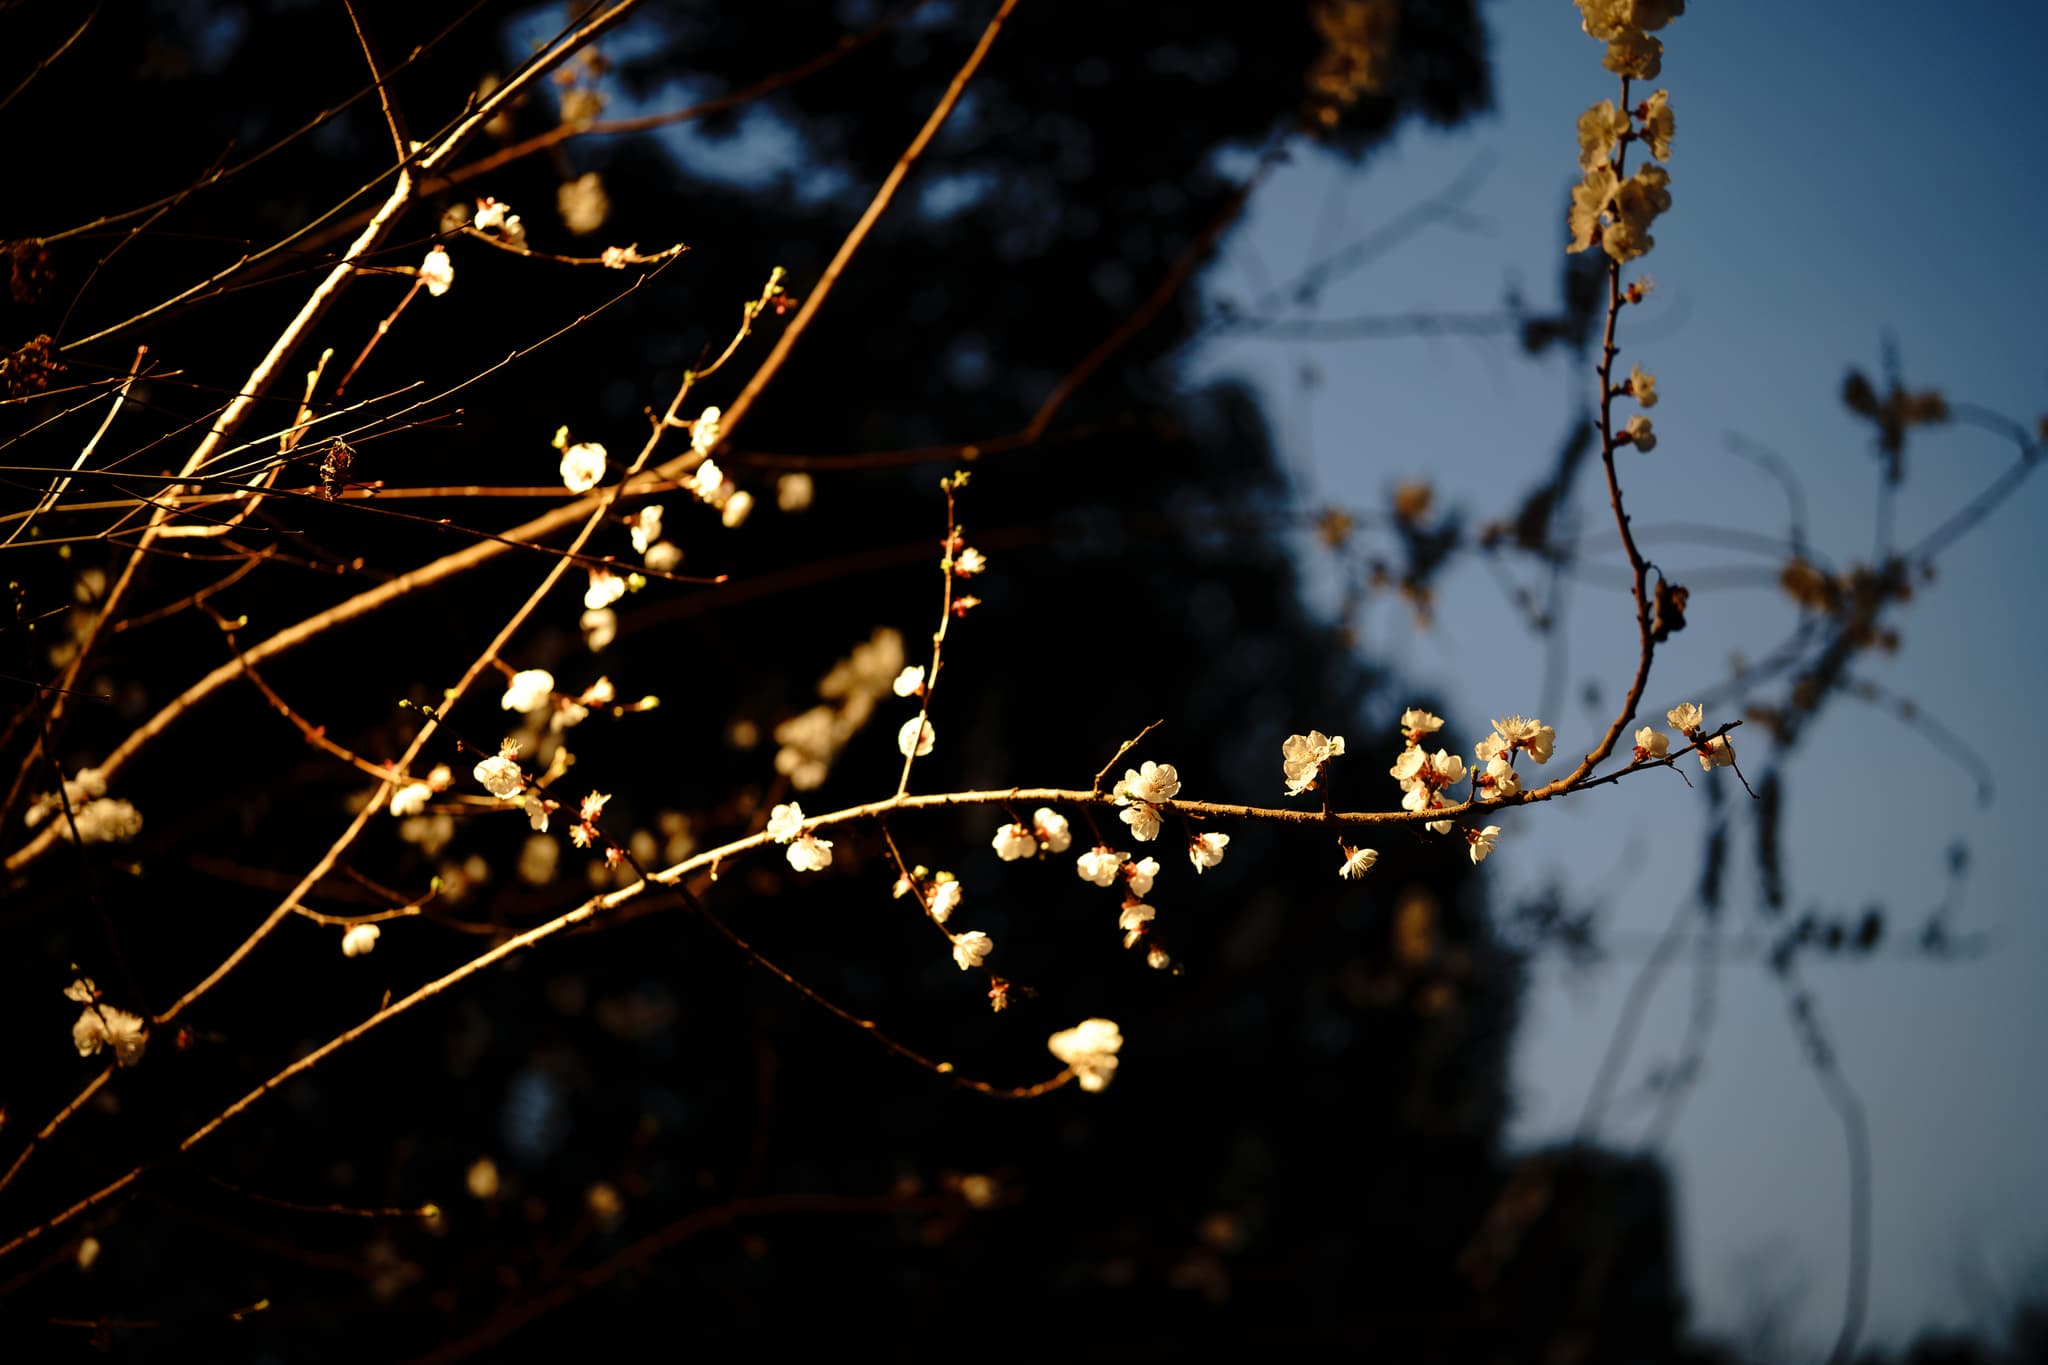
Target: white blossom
[(410, 799), (359, 939), (645, 527), (437, 272), (605, 588), (1144, 822), (1416, 722), (600, 627), (808, 853), (1154, 782), (1303, 756), (1501, 780), (501, 776), (1132, 921), (785, 822), (1089, 1050), (916, 732), (1140, 875), (1051, 829), (1651, 743), (529, 690), (1533, 735), (583, 203), (1013, 841), (1099, 865), (582, 466), (969, 562), (1206, 850), (1641, 434), (1686, 718), (1357, 861), (1482, 842), (1717, 753), (1157, 959), (909, 682), (101, 1026), (737, 507), (708, 482), (663, 557), (945, 899), (705, 431), (793, 492), (970, 948), (108, 821), (537, 808)]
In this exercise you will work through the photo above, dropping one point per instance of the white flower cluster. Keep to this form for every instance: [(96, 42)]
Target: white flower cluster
[(806, 852), (1089, 1050), (100, 819), (939, 892), (1304, 756), (1689, 720), (1047, 833), (811, 739), (709, 483), (1141, 792), (101, 1025)]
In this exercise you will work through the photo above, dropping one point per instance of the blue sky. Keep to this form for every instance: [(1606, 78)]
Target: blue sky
[(1833, 181)]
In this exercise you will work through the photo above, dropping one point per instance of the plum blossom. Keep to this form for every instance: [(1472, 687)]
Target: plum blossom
[(1051, 829), (582, 466), (970, 948), (1717, 753), (410, 799), (101, 1026), (1303, 756), (1157, 958), (529, 690), (793, 492), (1132, 921), (785, 822), (807, 853), (705, 431), (1140, 875), (1357, 861), (1144, 822), (969, 562), (1641, 434), (909, 682), (1100, 864), (1013, 841), (1500, 781), (605, 588), (1416, 723), (737, 507), (1532, 735), (1642, 386), (501, 776), (437, 272), (1651, 743), (1206, 850), (1154, 782), (537, 808), (359, 940), (645, 527), (1089, 1050), (916, 733), (1658, 124), (1687, 718), (708, 482), (945, 899), (1482, 842)]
